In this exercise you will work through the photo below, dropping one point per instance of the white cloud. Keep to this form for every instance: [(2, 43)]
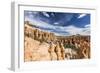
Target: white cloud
[(56, 23), (46, 14), (39, 23), (88, 25), (82, 15), (71, 30), (29, 14)]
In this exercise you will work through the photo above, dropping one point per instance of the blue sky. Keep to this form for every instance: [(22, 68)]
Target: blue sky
[(62, 24)]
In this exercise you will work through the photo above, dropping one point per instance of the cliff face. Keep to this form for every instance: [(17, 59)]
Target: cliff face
[(41, 45), (38, 45)]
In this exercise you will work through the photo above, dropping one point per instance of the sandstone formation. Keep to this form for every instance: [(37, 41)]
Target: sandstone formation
[(40, 45)]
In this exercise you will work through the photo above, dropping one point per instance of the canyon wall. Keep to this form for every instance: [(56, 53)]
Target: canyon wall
[(41, 45)]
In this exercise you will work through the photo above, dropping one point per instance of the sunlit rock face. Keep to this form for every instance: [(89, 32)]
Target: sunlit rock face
[(41, 45)]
